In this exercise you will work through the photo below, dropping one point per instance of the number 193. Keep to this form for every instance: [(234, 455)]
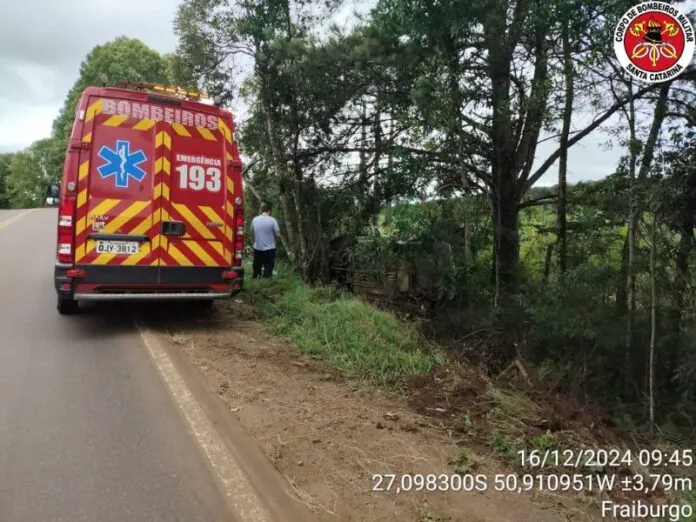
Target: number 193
[(196, 177)]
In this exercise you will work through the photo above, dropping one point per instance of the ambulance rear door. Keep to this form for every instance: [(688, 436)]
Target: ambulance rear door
[(197, 229), (119, 197)]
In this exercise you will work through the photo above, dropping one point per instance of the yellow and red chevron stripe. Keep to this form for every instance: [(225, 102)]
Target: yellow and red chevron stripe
[(204, 245), (94, 109), (119, 120), (208, 249), (163, 170), (128, 217), (225, 130), (138, 217), (212, 246)]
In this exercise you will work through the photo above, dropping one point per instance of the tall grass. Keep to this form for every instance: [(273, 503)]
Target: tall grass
[(358, 340)]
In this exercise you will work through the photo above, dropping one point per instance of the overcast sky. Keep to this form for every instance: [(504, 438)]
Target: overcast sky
[(43, 42)]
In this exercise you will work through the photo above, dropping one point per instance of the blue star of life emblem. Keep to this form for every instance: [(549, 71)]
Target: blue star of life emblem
[(121, 163)]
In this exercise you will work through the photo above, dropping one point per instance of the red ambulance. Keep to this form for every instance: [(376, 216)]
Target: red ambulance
[(151, 200)]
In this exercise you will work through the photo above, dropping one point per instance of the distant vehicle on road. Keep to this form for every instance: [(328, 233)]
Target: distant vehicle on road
[(52, 196), (151, 200)]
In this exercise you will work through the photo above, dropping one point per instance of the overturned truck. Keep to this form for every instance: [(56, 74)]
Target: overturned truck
[(398, 274)]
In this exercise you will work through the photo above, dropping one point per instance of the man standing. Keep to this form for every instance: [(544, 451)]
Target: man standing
[(265, 229)]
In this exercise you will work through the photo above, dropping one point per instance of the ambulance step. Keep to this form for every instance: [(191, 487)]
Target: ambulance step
[(147, 296)]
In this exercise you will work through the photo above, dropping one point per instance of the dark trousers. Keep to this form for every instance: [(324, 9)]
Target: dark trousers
[(264, 259)]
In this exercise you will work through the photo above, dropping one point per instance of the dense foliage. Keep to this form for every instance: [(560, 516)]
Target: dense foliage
[(415, 133)]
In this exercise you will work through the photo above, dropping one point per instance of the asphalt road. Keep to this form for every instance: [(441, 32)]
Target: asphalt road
[(88, 431)]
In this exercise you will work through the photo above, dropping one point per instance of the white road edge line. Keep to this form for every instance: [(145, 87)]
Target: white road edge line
[(14, 218), (235, 484)]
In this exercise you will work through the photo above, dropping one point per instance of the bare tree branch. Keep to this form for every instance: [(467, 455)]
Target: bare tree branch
[(592, 126), (541, 200)]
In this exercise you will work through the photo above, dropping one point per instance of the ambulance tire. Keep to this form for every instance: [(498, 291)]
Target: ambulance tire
[(67, 306)]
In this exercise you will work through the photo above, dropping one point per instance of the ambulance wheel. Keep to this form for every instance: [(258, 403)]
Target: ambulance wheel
[(67, 306)]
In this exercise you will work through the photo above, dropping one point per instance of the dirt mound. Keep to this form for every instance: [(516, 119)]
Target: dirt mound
[(450, 394)]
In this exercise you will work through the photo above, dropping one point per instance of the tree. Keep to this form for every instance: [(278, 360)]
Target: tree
[(491, 66), (5, 160), (122, 59), (296, 89), (680, 203), (31, 172), (177, 72), (562, 207)]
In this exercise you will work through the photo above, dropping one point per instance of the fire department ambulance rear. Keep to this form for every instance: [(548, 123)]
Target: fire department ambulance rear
[(151, 201)]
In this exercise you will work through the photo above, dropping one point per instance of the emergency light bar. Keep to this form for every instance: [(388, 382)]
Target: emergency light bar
[(164, 89)]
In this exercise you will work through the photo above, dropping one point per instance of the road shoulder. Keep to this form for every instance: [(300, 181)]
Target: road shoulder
[(253, 489), (329, 438)]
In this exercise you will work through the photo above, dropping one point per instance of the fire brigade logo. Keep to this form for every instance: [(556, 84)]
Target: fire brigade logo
[(122, 164), (654, 42)]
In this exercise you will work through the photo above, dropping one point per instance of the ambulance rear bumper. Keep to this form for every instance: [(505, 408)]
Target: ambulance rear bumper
[(116, 283), (171, 296)]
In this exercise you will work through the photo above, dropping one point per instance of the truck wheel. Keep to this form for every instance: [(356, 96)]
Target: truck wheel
[(67, 306)]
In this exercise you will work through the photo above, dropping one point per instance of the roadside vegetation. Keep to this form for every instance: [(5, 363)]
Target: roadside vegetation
[(525, 407), (359, 340), (483, 415)]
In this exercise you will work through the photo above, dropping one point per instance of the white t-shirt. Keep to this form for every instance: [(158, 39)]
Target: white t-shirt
[(265, 228)]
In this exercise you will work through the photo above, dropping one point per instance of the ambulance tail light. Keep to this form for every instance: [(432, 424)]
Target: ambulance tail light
[(238, 234), (66, 228)]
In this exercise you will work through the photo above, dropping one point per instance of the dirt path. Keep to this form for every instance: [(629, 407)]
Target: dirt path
[(329, 438)]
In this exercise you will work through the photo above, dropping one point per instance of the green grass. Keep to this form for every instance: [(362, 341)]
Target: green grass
[(358, 340)]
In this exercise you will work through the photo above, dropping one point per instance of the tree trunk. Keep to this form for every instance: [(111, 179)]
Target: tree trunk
[(563, 160), (646, 162), (630, 242), (301, 233), (686, 242), (547, 263), (285, 182), (364, 176), (289, 228), (658, 118), (506, 202), (503, 177), (513, 144), (621, 296), (635, 213), (653, 325), (376, 205)]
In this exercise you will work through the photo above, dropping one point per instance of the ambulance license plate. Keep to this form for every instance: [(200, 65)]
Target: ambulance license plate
[(118, 247)]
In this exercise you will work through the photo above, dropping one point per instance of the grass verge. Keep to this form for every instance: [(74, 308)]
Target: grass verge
[(360, 341)]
